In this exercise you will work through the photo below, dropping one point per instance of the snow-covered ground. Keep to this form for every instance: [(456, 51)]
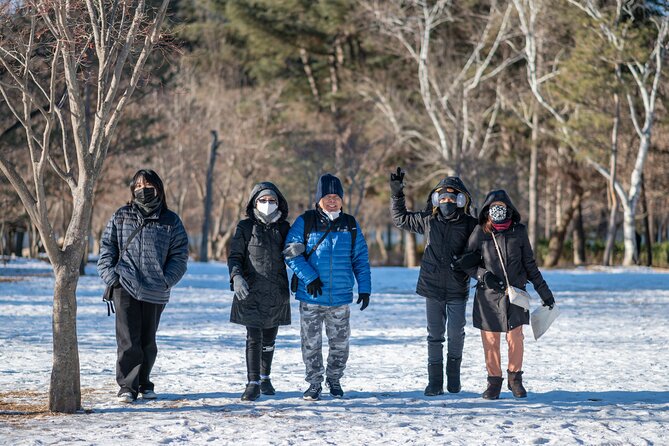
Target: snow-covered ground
[(599, 376)]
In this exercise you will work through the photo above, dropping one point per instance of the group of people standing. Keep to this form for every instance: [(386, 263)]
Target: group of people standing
[(327, 252)]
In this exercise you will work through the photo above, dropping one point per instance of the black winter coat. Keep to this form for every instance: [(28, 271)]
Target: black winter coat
[(156, 258), (492, 310), (445, 241), (255, 254)]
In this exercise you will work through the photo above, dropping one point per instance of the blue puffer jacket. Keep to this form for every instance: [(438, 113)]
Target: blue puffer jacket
[(333, 261), (155, 259)]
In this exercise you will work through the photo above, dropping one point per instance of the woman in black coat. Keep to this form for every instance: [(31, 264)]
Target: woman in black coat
[(143, 254), (260, 282), (493, 313)]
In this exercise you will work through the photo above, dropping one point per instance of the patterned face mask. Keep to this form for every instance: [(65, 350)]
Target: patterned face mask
[(497, 213)]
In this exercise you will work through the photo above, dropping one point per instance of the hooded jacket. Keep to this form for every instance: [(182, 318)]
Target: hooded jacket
[(445, 240), (335, 261), (492, 310), (255, 254), (154, 261)]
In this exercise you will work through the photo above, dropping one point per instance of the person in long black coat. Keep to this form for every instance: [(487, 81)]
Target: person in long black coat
[(493, 314), (143, 254), (447, 225), (260, 283)]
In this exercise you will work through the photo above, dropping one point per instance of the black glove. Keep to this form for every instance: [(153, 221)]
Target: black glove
[(315, 288), (493, 282), (241, 287), (397, 183), (364, 298), (466, 261), (550, 302)]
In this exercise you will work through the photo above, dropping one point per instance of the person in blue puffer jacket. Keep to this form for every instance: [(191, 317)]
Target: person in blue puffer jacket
[(328, 263), (143, 254)]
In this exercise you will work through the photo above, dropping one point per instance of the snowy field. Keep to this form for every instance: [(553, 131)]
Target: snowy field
[(599, 376)]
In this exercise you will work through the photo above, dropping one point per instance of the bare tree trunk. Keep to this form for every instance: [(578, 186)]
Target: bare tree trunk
[(410, 257), (383, 252), (556, 242), (578, 236), (613, 197), (204, 245), (532, 222), (646, 224), (65, 390)]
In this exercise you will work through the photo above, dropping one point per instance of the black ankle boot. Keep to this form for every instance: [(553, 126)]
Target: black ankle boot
[(453, 374), (435, 385), (494, 388), (516, 384), (252, 392)]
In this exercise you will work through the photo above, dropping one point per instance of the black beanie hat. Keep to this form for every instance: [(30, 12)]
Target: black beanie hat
[(328, 184)]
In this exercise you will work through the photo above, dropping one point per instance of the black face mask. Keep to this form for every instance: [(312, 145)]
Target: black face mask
[(448, 209), (144, 195)]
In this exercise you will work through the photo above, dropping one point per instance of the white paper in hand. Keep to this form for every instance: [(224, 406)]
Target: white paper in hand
[(542, 318)]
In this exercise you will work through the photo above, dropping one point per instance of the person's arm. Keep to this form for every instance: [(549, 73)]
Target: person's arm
[(238, 247), (532, 270), (109, 252), (177, 255), (305, 272), (404, 219), (360, 261)]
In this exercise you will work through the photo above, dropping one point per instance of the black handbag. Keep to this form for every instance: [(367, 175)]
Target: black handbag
[(108, 295)]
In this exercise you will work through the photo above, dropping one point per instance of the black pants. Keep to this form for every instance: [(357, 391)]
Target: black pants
[(445, 319), (136, 326), (259, 351)]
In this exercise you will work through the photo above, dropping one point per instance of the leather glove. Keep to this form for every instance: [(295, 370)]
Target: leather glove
[(397, 183), (364, 298), (241, 287), (550, 302), (315, 288), (466, 261), (493, 282), (293, 250), (117, 283)]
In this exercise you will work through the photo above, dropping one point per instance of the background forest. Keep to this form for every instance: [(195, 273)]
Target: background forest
[(562, 103)]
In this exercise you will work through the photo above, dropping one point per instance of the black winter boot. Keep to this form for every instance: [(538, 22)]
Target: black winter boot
[(252, 392), (266, 387), (453, 374), (494, 388), (516, 384), (435, 385)]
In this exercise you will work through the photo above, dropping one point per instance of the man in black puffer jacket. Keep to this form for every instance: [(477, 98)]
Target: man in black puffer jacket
[(143, 254), (447, 225)]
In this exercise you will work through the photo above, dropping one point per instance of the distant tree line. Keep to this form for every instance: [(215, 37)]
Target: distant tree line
[(562, 103)]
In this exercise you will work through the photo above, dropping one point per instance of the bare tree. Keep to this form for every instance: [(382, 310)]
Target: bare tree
[(646, 73), (449, 81), (113, 40)]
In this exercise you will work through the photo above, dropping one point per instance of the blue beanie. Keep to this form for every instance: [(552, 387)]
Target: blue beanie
[(328, 184)]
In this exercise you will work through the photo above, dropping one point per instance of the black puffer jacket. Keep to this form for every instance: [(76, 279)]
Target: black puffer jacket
[(492, 310), (255, 254), (446, 239), (155, 259)]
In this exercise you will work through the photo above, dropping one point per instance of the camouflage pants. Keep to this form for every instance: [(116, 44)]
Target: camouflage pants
[(338, 331)]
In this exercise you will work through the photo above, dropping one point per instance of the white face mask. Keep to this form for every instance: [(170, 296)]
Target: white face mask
[(266, 208), (332, 215)]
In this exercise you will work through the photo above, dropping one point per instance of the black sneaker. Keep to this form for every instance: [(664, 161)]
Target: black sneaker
[(266, 387), (313, 393), (252, 392), (335, 388)]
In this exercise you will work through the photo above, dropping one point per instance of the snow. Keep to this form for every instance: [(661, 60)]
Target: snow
[(599, 376)]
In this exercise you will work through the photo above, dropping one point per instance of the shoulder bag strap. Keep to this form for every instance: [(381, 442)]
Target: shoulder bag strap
[(501, 260)]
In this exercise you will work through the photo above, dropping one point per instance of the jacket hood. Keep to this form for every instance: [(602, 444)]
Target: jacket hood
[(498, 195), (250, 205), (455, 183)]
